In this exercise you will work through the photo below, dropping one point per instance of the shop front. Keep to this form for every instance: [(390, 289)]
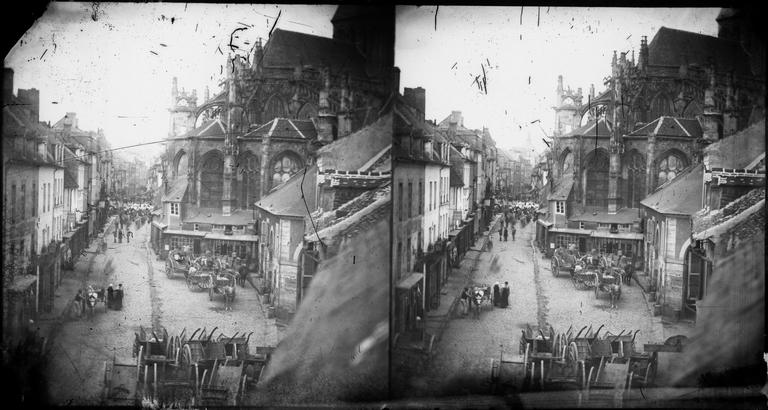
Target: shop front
[(409, 306)]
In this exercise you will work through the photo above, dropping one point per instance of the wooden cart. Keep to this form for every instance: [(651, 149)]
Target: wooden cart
[(121, 384)]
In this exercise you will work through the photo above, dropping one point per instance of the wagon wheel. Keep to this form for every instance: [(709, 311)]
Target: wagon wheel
[(554, 266), (168, 270)]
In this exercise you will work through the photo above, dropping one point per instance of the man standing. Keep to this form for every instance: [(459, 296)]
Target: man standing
[(513, 232), (120, 236), (129, 235), (114, 233), (505, 295), (506, 234)]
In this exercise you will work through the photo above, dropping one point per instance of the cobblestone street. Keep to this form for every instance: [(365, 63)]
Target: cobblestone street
[(81, 346), (461, 362)]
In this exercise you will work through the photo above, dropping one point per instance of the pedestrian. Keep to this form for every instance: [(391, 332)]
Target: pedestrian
[(496, 295), (120, 236), (505, 295), (79, 307), (513, 233), (119, 297), (506, 234), (114, 233), (501, 230), (129, 235), (465, 300), (110, 296)]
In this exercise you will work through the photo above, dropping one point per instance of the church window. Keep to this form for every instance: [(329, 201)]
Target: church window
[(668, 168), (285, 166), (634, 178), (211, 181), (567, 163), (596, 175)]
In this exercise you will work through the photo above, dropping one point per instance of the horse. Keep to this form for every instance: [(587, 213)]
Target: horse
[(476, 303), (615, 291), (93, 297), (229, 296)]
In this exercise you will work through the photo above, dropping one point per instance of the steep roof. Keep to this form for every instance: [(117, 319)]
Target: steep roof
[(670, 127), (563, 189), (340, 221), (671, 47), (604, 129), (357, 149), (738, 150), (215, 216), (680, 196), (622, 216), (286, 198), (210, 128), (291, 49), (286, 128), (177, 191)]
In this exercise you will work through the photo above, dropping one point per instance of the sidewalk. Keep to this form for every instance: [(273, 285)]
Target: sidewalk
[(71, 281), (436, 320)]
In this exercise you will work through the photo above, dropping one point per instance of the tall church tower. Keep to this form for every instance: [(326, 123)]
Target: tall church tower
[(567, 107), (182, 110)]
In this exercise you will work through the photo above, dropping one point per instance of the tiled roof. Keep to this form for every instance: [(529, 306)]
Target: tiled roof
[(604, 129), (340, 221), (291, 49), (357, 149), (670, 127), (286, 199), (177, 191), (671, 47), (738, 150), (562, 189), (680, 196), (286, 128), (214, 216), (210, 128), (730, 217)]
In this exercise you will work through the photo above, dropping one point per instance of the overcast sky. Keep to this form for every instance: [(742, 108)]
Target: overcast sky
[(521, 60), (113, 63)]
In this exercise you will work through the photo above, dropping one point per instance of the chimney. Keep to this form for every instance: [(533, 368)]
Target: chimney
[(416, 98), (31, 97), (7, 85)]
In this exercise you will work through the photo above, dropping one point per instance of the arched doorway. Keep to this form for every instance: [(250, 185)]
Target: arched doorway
[(211, 179), (596, 178)]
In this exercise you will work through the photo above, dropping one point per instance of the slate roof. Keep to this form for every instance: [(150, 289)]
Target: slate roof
[(738, 150), (339, 221), (286, 128), (589, 214), (680, 196), (562, 190), (291, 49), (671, 47), (286, 200), (355, 150), (604, 129), (177, 191), (210, 128), (670, 127), (214, 216)]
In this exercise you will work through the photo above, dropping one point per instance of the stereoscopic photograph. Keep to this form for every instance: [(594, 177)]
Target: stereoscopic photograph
[(383, 206)]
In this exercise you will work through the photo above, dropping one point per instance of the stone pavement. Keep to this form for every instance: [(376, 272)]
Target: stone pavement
[(475, 259)]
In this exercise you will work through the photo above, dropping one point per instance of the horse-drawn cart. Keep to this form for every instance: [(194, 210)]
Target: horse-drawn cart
[(563, 261), (121, 384), (198, 277), (583, 276), (177, 263), (609, 282), (223, 283)]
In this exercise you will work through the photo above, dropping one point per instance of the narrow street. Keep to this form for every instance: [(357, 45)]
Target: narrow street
[(81, 346), (462, 358)]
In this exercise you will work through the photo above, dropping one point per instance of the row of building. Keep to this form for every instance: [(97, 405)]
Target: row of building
[(56, 185), (666, 165), (289, 160)]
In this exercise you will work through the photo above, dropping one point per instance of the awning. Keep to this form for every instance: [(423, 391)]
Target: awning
[(410, 281), (572, 231), (243, 238), (184, 233), (632, 236), (159, 225), (544, 223)]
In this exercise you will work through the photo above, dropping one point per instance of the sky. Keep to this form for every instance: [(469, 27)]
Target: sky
[(522, 51), (113, 63)]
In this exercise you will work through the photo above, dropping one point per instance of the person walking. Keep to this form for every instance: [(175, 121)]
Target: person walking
[(110, 296), (129, 235), (505, 295), (465, 300), (501, 230), (513, 233), (496, 294), (114, 233), (120, 236), (506, 234)]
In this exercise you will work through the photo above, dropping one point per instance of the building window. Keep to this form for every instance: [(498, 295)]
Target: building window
[(565, 240), (23, 201), (196, 227), (175, 209), (581, 225), (421, 197), (602, 226), (410, 199), (34, 199), (283, 168), (669, 167), (560, 207)]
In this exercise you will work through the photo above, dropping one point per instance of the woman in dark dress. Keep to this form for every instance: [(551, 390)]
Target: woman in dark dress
[(118, 305), (110, 297), (496, 295), (505, 295)]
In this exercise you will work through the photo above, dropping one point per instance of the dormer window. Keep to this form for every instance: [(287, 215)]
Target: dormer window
[(175, 208)]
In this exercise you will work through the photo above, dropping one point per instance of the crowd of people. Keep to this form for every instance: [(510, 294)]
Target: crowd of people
[(604, 261), (217, 263), (130, 214)]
